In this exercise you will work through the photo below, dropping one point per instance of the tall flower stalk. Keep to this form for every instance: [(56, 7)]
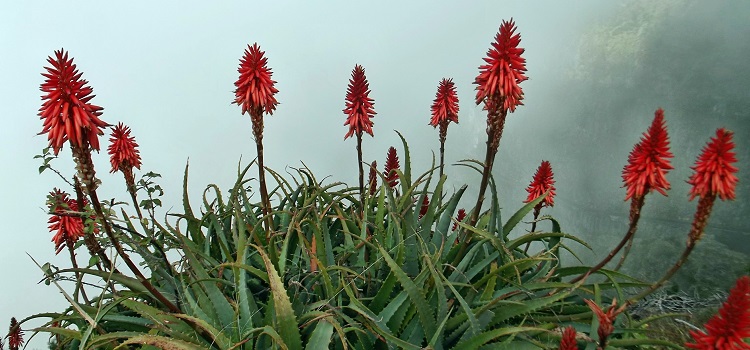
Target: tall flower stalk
[(69, 116), (714, 176), (648, 164), (124, 156), (359, 112), (499, 90), (444, 110), (255, 94)]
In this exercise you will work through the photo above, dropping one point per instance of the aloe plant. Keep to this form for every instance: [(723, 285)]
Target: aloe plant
[(331, 278)]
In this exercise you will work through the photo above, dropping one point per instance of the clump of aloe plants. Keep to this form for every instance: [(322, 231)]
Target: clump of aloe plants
[(391, 263)]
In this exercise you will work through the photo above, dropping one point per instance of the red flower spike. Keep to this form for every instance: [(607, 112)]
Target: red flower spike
[(373, 177), (66, 110), (15, 335), (728, 328), (391, 164), (123, 151), (568, 340), (714, 168), (359, 106), (425, 206), (445, 106), (648, 162), (67, 228), (606, 319), (255, 91), (499, 78), (542, 182), (459, 217)]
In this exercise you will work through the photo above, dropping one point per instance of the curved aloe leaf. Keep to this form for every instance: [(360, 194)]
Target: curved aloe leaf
[(286, 321), (518, 216), (321, 336), (480, 339), (415, 294), (160, 342)]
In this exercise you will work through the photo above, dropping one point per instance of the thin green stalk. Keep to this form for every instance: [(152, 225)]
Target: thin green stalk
[(537, 209), (132, 191), (79, 277), (118, 247), (130, 182)]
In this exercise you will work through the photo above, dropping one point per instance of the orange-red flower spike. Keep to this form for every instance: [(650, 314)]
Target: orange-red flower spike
[(503, 71), (254, 88), (715, 173), (123, 150), (731, 325), (66, 110), (648, 162), (542, 182), (359, 106)]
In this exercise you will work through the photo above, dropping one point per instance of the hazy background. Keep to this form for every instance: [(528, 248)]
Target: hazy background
[(597, 70)]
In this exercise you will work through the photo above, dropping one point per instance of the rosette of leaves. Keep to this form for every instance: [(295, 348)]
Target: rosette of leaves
[(337, 273)]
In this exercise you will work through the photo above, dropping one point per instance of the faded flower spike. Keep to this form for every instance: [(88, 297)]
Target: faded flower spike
[(606, 320), (66, 110), (255, 88), (714, 169), (648, 162), (123, 150), (359, 106), (425, 207), (373, 177), (391, 164), (459, 217), (542, 182), (728, 328), (498, 80)]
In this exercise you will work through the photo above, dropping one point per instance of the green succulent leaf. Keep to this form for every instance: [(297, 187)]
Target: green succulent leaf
[(285, 318)]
